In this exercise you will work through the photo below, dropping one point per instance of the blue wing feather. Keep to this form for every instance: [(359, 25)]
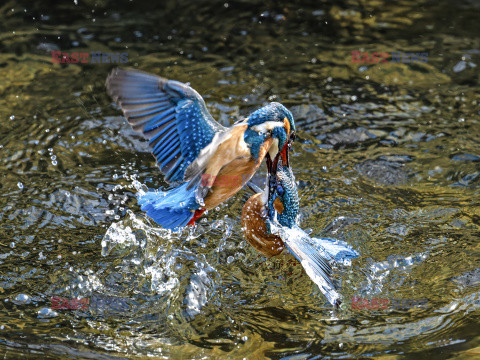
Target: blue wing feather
[(162, 146), (170, 157), (170, 114)]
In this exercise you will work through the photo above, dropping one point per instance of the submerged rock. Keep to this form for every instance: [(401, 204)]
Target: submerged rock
[(382, 171)]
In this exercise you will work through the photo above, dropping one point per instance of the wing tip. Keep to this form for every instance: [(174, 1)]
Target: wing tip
[(119, 77)]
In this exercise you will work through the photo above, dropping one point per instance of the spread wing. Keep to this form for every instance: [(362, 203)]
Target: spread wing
[(170, 114)]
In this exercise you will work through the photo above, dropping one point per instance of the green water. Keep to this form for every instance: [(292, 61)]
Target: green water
[(387, 159)]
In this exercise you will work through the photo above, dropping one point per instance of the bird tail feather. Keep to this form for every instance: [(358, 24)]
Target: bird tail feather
[(170, 209)]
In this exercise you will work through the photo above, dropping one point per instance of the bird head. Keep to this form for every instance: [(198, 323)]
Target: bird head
[(283, 202), (273, 121)]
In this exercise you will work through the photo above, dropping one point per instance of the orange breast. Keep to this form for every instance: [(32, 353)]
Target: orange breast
[(255, 228), (233, 176)]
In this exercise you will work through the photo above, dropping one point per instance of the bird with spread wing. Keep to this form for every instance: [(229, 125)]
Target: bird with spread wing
[(194, 152)]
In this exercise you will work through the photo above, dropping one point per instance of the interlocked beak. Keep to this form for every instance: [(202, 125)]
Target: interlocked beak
[(272, 165), (272, 174)]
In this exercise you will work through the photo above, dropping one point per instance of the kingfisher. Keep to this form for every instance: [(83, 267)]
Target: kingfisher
[(269, 223), (204, 162)]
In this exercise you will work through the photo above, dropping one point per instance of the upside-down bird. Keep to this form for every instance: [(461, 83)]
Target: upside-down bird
[(269, 223), (205, 162)]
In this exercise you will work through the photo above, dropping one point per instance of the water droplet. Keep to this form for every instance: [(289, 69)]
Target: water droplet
[(12, 117), (47, 313), (230, 259)]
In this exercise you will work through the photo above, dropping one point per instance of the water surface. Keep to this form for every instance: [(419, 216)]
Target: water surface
[(387, 159)]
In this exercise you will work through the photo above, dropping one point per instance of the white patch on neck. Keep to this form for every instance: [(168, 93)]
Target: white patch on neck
[(267, 126), (273, 151)]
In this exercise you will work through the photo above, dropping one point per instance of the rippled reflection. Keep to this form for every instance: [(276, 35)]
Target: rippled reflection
[(387, 160)]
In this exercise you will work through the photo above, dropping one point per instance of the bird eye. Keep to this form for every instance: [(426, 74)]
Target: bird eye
[(280, 190)]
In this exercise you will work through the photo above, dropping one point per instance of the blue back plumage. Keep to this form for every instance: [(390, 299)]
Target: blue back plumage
[(172, 115)]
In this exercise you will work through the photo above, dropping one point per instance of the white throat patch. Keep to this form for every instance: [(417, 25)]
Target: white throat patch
[(267, 126), (273, 151)]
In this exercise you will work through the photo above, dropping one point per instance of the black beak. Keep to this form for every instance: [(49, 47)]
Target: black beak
[(272, 173)]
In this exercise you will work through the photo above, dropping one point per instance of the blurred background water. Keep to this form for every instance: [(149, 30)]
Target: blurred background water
[(387, 159)]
